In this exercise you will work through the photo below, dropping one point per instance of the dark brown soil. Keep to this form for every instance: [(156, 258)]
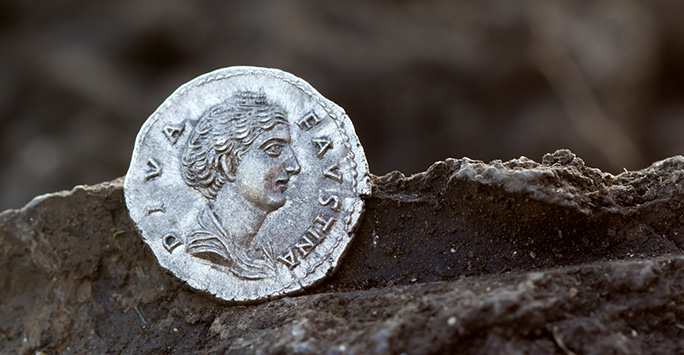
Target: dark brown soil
[(468, 257)]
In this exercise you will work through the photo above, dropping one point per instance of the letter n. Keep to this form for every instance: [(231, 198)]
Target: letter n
[(305, 246)]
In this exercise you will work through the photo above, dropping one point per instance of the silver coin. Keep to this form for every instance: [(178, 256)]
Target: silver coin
[(246, 183)]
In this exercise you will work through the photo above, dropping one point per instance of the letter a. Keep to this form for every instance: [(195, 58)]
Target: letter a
[(322, 144)]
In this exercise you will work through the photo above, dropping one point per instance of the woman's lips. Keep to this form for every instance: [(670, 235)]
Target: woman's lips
[(281, 185)]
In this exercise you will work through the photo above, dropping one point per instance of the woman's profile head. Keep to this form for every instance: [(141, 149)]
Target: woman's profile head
[(223, 135)]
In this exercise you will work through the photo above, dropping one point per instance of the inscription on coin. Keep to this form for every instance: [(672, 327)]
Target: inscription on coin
[(173, 132), (153, 169), (247, 183)]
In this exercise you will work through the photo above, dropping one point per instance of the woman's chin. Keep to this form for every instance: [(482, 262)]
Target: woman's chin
[(276, 202)]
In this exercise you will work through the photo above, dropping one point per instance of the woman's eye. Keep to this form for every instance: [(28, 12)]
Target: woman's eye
[(274, 150)]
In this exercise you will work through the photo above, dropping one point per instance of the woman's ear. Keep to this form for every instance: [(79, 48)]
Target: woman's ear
[(227, 167)]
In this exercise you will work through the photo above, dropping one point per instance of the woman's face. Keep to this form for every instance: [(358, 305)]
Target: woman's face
[(265, 168)]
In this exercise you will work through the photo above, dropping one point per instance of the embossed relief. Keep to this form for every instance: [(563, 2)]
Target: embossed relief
[(309, 121), (333, 172), (155, 208), (171, 241), (173, 132), (153, 169), (322, 144), (312, 237), (228, 200), (239, 157)]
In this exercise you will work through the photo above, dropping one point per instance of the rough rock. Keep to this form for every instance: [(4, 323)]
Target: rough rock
[(467, 257)]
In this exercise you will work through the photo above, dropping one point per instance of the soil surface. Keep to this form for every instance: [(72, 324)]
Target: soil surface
[(467, 257)]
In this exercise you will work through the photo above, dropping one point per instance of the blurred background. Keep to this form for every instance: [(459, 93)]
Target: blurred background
[(421, 80)]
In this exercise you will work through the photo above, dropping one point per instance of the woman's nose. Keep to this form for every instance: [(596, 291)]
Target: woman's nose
[(292, 165)]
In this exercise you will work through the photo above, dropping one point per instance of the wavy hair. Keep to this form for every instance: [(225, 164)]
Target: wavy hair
[(222, 135)]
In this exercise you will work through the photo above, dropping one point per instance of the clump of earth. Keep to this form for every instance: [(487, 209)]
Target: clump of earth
[(467, 257)]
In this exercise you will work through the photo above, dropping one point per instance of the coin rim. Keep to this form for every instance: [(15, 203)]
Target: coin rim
[(355, 154)]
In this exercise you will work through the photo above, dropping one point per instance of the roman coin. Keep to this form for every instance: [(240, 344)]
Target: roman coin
[(247, 183)]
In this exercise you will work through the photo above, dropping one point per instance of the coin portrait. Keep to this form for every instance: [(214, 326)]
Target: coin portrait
[(239, 157), (247, 183)]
